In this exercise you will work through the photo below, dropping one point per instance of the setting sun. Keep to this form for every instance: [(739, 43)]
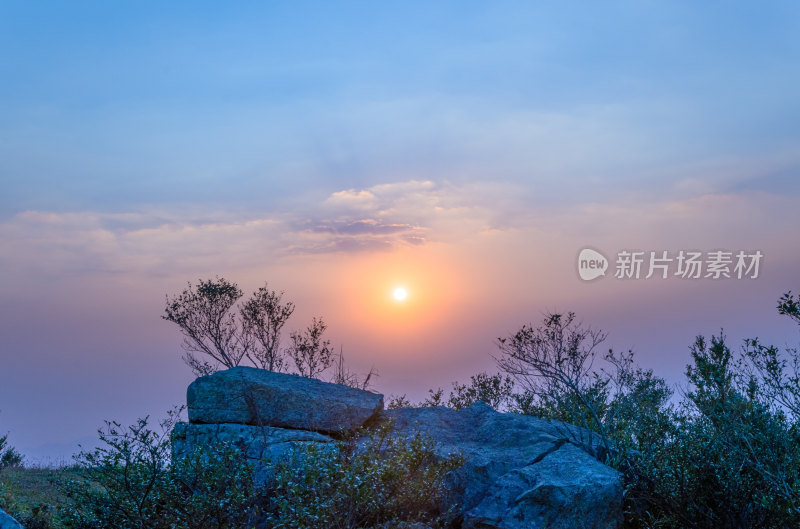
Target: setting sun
[(400, 293)]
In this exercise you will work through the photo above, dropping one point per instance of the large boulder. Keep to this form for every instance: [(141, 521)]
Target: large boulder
[(565, 489), (246, 395), (7, 522), (262, 446), (519, 471)]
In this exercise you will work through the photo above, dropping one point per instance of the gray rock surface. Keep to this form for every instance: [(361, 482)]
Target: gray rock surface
[(519, 471), (562, 491), (7, 522), (245, 395), (263, 446)]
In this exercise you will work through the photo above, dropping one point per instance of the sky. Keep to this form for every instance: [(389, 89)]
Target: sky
[(467, 151)]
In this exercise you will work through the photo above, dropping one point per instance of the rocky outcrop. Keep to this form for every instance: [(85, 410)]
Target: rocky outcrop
[(518, 471), (7, 522), (565, 489), (246, 395)]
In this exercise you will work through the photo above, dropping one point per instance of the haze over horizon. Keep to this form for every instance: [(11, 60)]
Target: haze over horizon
[(467, 152)]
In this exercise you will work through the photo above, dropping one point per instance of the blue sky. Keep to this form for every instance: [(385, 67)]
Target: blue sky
[(115, 105), (470, 149)]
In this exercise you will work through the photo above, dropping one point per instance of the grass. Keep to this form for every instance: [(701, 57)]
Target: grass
[(33, 495)]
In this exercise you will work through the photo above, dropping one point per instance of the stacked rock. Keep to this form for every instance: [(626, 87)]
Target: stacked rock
[(264, 414), (518, 472)]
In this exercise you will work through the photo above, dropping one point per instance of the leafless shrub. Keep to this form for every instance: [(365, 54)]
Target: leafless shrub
[(342, 375)]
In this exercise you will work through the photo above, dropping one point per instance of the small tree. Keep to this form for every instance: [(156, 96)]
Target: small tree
[(554, 365), (208, 324), (215, 329), (728, 454), (311, 354), (263, 318), (9, 457)]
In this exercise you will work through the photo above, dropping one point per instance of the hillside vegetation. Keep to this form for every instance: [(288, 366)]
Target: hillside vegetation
[(725, 453)]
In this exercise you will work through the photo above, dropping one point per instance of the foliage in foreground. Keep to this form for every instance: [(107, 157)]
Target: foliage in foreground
[(726, 454), (35, 495), (363, 482), (130, 482)]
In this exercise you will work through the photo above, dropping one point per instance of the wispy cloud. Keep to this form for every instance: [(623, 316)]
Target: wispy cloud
[(378, 218), (374, 219), (361, 227)]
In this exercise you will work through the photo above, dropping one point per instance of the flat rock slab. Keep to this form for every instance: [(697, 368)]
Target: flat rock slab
[(246, 395)]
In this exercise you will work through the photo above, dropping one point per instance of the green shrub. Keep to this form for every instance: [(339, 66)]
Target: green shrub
[(130, 482), (361, 483), (9, 457), (732, 455), (495, 390), (725, 455)]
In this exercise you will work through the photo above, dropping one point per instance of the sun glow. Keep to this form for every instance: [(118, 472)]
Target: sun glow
[(363, 300), (400, 294)]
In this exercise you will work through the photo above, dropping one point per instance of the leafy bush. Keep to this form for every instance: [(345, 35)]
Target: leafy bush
[(495, 390), (9, 457), (131, 483), (725, 455), (362, 483), (732, 455)]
